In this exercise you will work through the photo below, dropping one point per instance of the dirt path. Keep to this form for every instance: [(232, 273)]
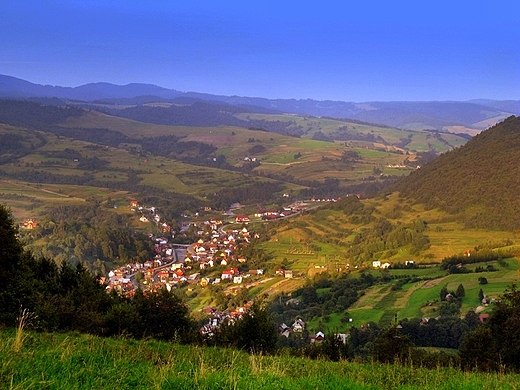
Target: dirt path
[(35, 188), (433, 283)]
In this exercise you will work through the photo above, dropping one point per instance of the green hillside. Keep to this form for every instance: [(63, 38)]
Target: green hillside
[(69, 360), (287, 158), (477, 183), (352, 236)]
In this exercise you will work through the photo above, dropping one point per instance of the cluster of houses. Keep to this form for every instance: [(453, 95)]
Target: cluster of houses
[(29, 224), (171, 265), (386, 265), (150, 214), (299, 326), (216, 318), (270, 214), (325, 199)]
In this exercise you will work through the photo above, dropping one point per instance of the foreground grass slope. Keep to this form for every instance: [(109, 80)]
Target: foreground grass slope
[(66, 361)]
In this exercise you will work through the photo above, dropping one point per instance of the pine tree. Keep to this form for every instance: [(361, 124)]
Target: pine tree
[(460, 293)]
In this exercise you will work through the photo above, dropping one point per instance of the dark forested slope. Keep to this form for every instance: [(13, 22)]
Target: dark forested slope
[(478, 181)]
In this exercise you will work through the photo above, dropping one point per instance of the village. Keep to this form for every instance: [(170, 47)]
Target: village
[(213, 259)]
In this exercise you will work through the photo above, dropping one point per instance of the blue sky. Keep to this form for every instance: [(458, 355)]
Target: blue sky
[(350, 51)]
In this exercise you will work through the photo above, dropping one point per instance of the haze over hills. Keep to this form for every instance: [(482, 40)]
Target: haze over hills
[(458, 117)]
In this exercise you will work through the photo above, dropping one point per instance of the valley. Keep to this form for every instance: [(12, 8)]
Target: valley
[(212, 195), (323, 226)]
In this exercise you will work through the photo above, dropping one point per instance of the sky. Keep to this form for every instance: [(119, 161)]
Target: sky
[(325, 50)]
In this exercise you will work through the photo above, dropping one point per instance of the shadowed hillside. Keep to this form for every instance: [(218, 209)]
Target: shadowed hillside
[(478, 181)]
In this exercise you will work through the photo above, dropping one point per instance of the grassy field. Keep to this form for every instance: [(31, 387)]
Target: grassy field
[(324, 234), (73, 361), (336, 129), (317, 242), (302, 158), (421, 298)]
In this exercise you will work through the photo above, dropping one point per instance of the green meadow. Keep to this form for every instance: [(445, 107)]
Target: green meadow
[(74, 361), (298, 157)]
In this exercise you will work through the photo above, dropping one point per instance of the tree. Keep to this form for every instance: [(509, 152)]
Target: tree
[(478, 350), (256, 332), (164, 316), (480, 295), (390, 346), (443, 293), (460, 293), (334, 348), (504, 324), (10, 248), (12, 269)]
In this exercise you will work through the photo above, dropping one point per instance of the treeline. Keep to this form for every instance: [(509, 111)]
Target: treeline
[(395, 344), (34, 115), (70, 298), (168, 145), (455, 264), (173, 203), (89, 235), (386, 343), (259, 192), (96, 135), (383, 237), (486, 346), (199, 114), (205, 114), (17, 145), (324, 189)]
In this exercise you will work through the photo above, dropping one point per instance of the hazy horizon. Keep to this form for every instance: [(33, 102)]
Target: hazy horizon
[(434, 51)]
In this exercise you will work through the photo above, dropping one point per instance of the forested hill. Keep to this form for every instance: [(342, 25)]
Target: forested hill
[(34, 115), (478, 181)]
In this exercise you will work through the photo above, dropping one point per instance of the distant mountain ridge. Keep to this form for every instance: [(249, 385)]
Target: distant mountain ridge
[(476, 114)]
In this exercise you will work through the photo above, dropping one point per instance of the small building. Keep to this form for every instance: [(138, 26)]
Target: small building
[(30, 224), (242, 218), (298, 325)]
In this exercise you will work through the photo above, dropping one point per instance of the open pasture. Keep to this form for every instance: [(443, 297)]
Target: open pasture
[(420, 298), (70, 360), (299, 157)]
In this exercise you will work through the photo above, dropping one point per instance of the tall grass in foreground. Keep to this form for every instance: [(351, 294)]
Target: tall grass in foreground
[(24, 319), (66, 361)]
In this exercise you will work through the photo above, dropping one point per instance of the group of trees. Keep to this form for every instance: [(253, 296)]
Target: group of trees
[(386, 236), (455, 264), (34, 115), (321, 297), (495, 345), (64, 297), (87, 234)]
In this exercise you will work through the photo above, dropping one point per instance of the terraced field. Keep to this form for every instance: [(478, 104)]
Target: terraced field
[(421, 298)]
